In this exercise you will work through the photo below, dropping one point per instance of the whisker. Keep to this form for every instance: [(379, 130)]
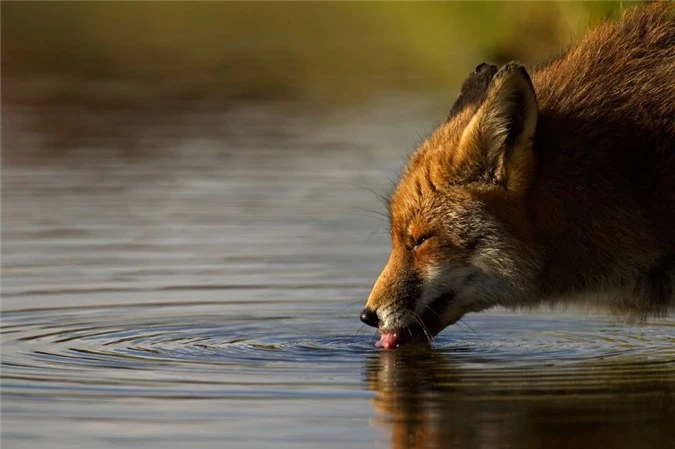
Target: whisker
[(434, 312), (373, 211), (412, 337), (350, 304), (425, 330), (374, 338), (365, 186), (423, 326), (380, 231), (360, 331), (472, 329), (461, 324), (383, 198)]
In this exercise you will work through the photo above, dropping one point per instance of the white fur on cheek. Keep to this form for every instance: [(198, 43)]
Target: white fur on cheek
[(480, 291)]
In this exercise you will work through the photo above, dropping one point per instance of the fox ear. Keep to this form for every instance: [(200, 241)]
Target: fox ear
[(475, 88), (498, 139)]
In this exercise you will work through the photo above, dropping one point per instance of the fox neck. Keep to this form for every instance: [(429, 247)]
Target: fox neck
[(589, 222)]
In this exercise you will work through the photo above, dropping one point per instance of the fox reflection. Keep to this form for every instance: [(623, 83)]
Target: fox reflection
[(428, 400)]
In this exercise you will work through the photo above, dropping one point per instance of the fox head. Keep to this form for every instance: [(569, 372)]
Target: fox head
[(460, 236)]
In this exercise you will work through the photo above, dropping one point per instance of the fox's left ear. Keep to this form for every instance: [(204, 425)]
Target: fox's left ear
[(498, 139)]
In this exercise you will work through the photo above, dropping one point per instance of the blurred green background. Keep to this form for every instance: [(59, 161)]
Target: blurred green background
[(313, 51), (163, 58)]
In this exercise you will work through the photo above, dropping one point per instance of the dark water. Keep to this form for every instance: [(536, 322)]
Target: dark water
[(206, 295)]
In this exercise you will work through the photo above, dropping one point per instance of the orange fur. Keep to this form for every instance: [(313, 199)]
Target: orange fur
[(561, 185)]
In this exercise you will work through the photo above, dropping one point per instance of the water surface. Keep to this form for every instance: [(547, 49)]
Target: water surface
[(206, 293)]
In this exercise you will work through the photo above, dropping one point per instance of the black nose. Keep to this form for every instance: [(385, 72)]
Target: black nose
[(369, 317)]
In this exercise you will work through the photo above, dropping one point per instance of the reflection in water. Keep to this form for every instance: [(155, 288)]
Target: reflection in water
[(206, 295), (201, 295), (431, 401)]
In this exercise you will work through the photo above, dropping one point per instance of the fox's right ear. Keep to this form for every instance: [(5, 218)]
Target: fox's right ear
[(497, 142)]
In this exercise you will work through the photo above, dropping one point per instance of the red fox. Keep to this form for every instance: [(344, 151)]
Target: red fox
[(537, 189)]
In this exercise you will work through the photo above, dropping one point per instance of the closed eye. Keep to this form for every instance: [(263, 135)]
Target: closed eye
[(420, 241)]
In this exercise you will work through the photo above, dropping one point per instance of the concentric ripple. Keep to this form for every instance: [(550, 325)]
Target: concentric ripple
[(220, 344), (146, 344), (127, 363)]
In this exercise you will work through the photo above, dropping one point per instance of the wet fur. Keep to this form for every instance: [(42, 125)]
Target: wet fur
[(549, 188)]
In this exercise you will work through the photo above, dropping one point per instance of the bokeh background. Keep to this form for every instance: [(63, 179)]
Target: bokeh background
[(102, 72)]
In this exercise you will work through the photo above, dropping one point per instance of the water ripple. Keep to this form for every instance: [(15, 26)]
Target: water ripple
[(147, 349)]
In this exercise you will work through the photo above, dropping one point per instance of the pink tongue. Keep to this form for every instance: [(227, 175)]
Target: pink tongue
[(387, 341)]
